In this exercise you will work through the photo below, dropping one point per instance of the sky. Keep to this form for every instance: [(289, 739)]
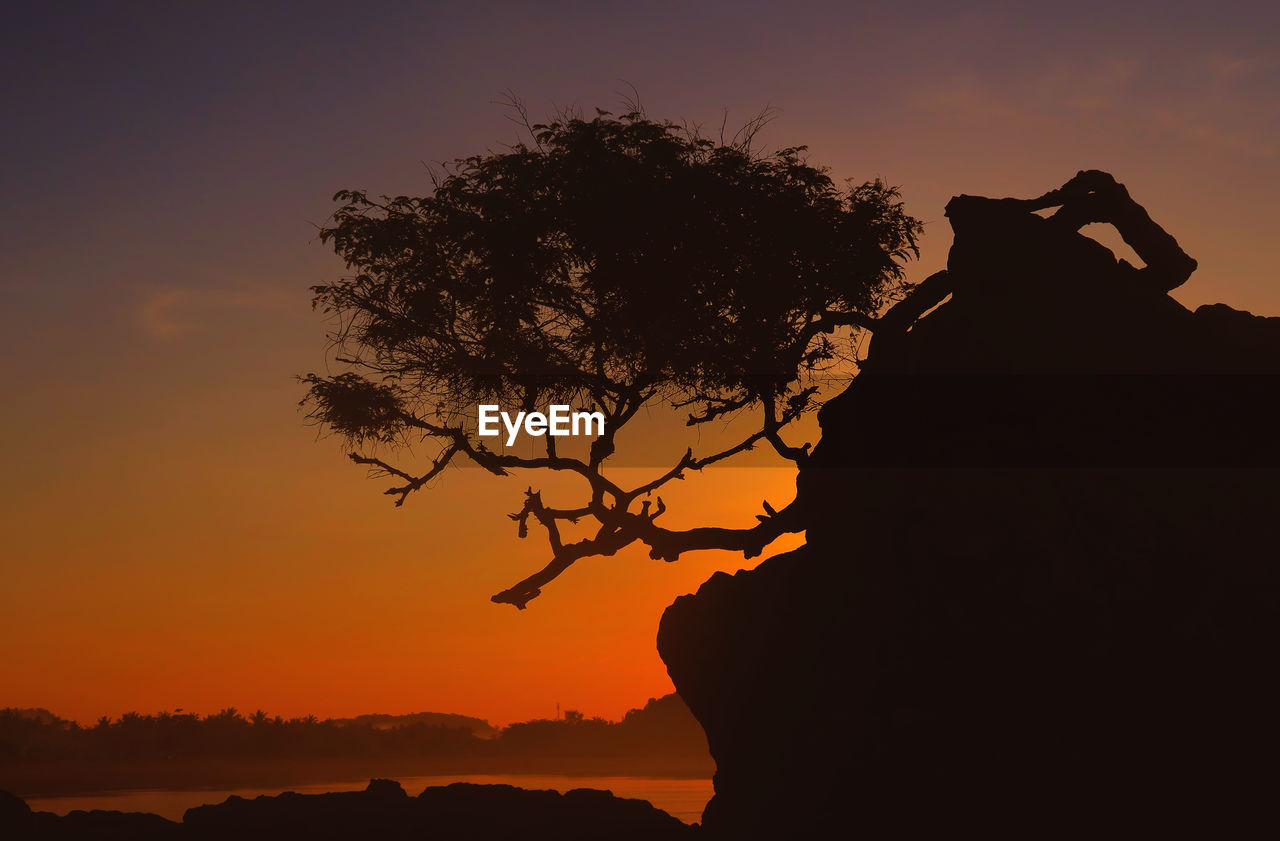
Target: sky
[(174, 536)]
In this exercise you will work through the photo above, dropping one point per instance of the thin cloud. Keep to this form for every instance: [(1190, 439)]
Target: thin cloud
[(174, 313), (1202, 130), (1197, 112), (967, 97)]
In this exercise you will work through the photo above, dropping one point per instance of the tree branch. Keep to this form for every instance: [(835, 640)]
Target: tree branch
[(723, 406), (669, 545), (606, 542), (828, 321), (663, 544), (772, 424), (413, 482), (498, 463)]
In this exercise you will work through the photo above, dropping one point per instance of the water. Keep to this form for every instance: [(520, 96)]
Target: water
[(683, 799)]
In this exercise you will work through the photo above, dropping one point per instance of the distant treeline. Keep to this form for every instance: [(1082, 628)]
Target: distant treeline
[(663, 728)]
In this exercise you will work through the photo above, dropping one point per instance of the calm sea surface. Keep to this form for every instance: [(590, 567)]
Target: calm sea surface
[(682, 798)]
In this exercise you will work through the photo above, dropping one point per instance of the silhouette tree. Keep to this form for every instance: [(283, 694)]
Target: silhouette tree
[(607, 264)]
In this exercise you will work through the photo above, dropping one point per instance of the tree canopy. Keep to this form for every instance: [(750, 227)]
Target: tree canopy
[(608, 264)]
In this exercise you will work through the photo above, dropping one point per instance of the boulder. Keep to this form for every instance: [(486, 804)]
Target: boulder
[(1038, 593)]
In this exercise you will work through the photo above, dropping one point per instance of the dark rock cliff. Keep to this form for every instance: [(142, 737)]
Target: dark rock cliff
[(1038, 594)]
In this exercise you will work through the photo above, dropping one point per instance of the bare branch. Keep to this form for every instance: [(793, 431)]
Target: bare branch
[(669, 545), (498, 463), (547, 516), (715, 407), (663, 544), (606, 542), (413, 482), (772, 424), (686, 461)]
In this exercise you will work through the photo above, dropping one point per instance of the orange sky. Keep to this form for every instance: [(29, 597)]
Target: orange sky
[(175, 537)]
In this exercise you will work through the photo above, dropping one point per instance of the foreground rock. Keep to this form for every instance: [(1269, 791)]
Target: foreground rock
[(19, 823), (381, 811), (1039, 592)]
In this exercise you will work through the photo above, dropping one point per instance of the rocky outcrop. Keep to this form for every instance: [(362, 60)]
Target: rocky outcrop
[(1039, 590), (19, 823), (381, 811), (461, 810)]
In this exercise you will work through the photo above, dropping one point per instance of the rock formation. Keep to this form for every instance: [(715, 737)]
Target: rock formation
[(1038, 594), (19, 823), (381, 811)]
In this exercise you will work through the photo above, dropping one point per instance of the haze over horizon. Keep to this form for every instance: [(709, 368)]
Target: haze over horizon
[(177, 538)]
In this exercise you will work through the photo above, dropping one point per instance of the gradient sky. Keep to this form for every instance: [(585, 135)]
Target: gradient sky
[(175, 537)]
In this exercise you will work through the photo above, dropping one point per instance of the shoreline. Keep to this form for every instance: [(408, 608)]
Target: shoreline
[(88, 777)]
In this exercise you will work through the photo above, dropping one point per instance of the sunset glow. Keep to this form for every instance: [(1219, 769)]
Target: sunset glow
[(176, 537)]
